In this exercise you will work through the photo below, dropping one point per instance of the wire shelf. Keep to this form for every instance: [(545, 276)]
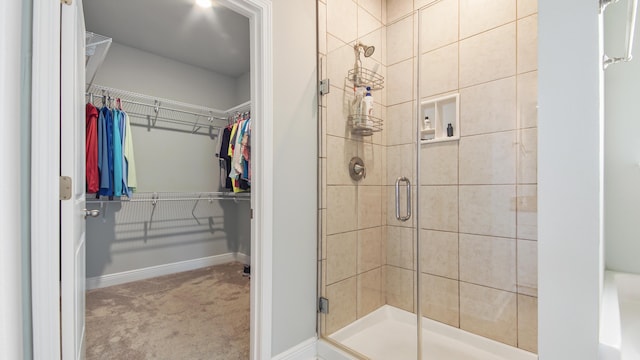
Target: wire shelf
[(365, 125), (363, 77), (148, 110)]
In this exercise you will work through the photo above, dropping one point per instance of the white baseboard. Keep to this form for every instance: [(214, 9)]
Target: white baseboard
[(306, 350), (164, 269)]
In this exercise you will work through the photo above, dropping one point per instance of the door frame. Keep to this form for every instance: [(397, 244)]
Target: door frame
[(45, 168)]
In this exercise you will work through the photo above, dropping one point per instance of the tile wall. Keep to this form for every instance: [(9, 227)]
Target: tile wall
[(478, 203), (352, 213)]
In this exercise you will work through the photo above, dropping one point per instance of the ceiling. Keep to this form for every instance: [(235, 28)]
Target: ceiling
[(216, 39)]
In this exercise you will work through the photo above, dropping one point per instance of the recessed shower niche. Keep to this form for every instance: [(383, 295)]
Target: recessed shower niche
[(440, 120)]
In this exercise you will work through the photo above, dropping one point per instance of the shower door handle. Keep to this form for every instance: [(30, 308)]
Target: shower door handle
[(408, 187)]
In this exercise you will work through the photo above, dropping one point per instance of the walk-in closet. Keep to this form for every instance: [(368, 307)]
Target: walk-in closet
[(168, 157)]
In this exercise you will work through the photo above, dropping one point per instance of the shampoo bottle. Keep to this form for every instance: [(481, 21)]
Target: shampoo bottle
[(368, 108)]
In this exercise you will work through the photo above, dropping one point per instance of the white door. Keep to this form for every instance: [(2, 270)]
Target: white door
[(72, 164)]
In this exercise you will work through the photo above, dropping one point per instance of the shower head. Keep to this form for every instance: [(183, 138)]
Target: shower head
[(368, 50)]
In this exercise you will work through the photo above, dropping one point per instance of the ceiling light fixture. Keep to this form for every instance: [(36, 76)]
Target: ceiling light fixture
[(205, 4)]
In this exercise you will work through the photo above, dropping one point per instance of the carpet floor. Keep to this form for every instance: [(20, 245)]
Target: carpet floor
[(199, 314)]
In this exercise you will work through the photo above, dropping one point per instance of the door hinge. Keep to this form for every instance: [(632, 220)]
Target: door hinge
[(66, 2), (323, 305), (65, 187), (251, 214), (324, 87)]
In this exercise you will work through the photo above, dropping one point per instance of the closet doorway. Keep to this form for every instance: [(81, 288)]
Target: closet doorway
[(258, 223)]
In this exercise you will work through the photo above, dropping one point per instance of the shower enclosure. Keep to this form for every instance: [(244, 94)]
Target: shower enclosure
[(428, 202)]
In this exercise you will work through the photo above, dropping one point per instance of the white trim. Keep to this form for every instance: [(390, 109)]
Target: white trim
[(45, 172), (160, 270), (329, 352), (306, 350), (11, 305), (45, 169), (260, 20)]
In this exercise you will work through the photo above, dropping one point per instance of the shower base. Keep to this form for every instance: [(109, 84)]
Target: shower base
[(390, 333)]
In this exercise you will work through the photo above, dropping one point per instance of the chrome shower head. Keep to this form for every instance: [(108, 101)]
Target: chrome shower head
[(368, 50)]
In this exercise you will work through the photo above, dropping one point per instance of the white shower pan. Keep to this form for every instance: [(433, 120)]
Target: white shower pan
[(390, 333)]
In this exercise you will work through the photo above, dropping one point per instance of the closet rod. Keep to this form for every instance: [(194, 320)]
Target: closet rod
[(234, 198), (157, 106)]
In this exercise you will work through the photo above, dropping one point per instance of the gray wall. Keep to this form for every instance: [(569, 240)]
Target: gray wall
[(622, 148), (131, 236), (569, 179), (243, 88), (295, 187)]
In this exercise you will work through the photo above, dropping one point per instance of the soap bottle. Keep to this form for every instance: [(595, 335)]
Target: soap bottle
[(449, 130), (427, 123), (368, 107)]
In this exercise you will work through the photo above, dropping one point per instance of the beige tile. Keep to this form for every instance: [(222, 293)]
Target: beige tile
[(439, 71), (339, 153), (369, 249), (338, 105), (439, 253), (323, 275), (342, 19), (527, 108), (341, 209), (527, 212), (367, 23), (439, 299), (400, 40), (488, 159), (323, 184), (399, 82), (418, 4), (343, 306), (439, 208), (399, 287), (369, 206), (341, 256), (400, 124), (369, 292), (439, 25), (322, 28), (528, 323), (488, 261), (391, 206), (439, 164), (374, 38), (489, 312), (397, 9), (477, 16), (374, 7), (399, 163), (528, 44), (527, 7), (488, 56), (528, 156), (339, 62), (488, 210), (323, 234), (371, 154), (384, 12), (323, 129), (400, 247), (528, 267), (488, 107), (333, 43)]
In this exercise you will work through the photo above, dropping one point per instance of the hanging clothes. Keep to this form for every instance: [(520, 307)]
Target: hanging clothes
[(91, 149), (117, 153), (238, 170), (106, 151), (225, 159), (129, 159)]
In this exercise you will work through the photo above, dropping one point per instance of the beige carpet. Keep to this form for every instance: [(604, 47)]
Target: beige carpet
[(200, 314)]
